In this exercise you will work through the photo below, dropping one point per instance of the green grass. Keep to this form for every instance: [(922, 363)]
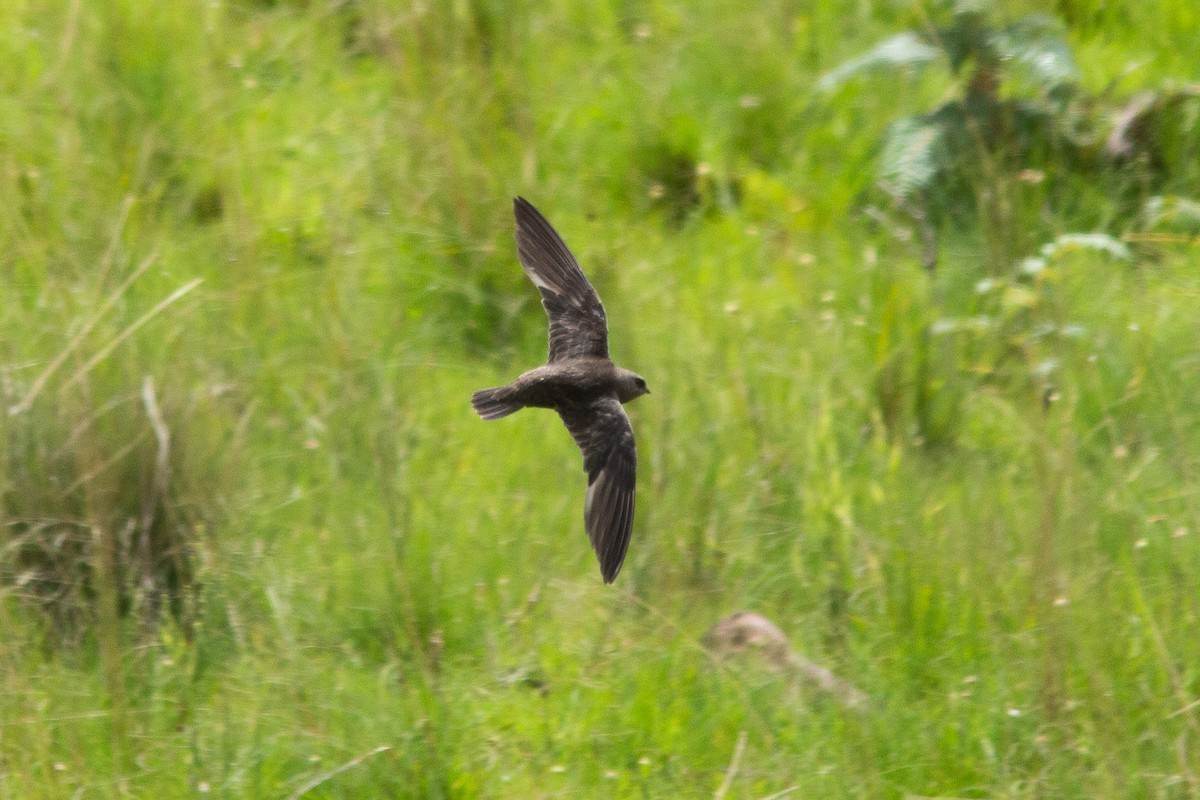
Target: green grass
[(1015, 587)]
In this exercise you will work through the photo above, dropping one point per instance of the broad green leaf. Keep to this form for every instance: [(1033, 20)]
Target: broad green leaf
[(905, 49), (1037, 44), (1031, 266), (1088, 241), (913, 153), (1172, 211)]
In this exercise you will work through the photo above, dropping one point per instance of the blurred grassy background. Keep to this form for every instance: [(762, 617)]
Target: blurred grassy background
[(253, 532)]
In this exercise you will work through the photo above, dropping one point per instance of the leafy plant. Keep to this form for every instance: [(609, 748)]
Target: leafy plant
[(1172, 213), (930, 163), (1020, 321)]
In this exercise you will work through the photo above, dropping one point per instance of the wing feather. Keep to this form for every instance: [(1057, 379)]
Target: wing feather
[(578, 325), (604, 435)]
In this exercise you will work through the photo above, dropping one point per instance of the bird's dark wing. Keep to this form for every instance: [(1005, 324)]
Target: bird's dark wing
[(578, 326), (603, 433)]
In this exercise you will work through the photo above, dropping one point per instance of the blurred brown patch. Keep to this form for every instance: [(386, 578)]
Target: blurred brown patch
[(744, 633)]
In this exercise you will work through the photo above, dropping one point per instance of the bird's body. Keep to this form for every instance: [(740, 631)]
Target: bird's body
[(574, 383), (580, 382)]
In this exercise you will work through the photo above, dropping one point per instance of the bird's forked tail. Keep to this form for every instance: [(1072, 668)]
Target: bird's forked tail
[(494, 403)]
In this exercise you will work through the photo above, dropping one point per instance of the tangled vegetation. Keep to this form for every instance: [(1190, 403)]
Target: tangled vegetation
[(914, 286)]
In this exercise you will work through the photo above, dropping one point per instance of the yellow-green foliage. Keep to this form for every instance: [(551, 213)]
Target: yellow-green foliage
[(255, 256)]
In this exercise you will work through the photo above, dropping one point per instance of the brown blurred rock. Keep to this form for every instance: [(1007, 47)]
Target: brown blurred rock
[(747, 632)]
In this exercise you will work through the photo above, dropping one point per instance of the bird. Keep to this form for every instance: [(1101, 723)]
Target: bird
[(580, 382)]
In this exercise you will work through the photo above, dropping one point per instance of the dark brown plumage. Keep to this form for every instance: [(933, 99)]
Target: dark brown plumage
[(580, 382)]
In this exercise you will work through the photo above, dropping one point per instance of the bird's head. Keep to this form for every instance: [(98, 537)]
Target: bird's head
[(630, 385)]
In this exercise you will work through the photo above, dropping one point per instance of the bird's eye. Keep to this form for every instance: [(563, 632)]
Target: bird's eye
[(641, 384)]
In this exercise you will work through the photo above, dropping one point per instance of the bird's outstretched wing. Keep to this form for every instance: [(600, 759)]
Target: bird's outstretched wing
[(578, 326), (603, 433)]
